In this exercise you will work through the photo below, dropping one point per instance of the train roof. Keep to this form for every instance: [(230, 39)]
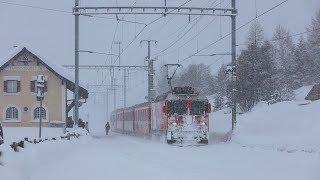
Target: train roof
[(130, 108), (176, 92)]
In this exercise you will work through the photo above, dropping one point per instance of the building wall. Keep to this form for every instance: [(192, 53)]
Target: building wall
[(314, 94), (53, 100)]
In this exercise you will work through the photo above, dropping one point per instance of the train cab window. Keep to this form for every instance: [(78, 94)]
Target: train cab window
[(177, 107), (198, 107)]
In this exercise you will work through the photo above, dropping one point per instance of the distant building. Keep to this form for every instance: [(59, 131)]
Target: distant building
[(18, 104), (314, 93)]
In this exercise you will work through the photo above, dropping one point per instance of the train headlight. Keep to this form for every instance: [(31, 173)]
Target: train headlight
[(203, 124), (174, 123)]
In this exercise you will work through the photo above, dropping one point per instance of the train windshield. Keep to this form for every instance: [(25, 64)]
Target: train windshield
[(177, 107), (198, 107)]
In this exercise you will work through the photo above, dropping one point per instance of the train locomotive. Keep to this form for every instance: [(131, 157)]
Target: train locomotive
[(178, 116)]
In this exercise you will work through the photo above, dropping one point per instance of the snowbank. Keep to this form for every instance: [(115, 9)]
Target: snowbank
[(281, 124), (17, 134), (293, 125)]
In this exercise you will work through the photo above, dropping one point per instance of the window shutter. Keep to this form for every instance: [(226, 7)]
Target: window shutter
[(5, 86), (45, 86), (32, 86), (18, 86)]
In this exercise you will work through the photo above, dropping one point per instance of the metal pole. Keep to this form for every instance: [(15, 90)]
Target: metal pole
[(119, 50), (125, 88), (114, 89), (107, 104), (40, 118), (76, 54), (149, 73), (233, 52), (151, 92), (149, 50)]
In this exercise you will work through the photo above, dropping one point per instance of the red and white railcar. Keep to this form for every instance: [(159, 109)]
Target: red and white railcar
[(179, 116)]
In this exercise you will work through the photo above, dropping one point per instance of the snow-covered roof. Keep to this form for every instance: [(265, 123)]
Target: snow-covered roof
[(49, 64)]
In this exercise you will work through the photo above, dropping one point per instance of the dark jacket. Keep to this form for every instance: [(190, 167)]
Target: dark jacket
[(108, 126), (1, 135)]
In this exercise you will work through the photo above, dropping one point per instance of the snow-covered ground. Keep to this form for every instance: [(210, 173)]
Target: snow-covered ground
[(121, 157), (275, 142), (18, 134)]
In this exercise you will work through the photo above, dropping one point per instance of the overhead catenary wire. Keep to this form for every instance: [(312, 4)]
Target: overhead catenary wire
[(148, 24), (177, 40), (37, 7), (46, 9), (289, 36), (113, 40), (228, 34), (193, 37), (67, 12), (167, 22)]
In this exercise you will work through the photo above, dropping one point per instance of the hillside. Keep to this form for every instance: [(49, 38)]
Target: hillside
[(293, 125)]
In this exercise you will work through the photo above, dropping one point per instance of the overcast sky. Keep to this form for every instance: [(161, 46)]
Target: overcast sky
[(52, 33)]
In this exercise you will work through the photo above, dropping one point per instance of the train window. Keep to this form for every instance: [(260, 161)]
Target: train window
[(198, 107), (139, 115), (177, 107), (144, 115)]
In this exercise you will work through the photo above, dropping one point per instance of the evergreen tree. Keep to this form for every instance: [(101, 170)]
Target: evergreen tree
[(199, 77), (266, 71), (283, 55), (255, 71), (221, 87), (245, 81), (314, 43), (306, 66)]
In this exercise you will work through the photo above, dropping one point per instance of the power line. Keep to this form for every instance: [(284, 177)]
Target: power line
[(115, 32), (221, 58), (184, 26), (293, 35), (67, 12), (114, 37), (227, 35), (147, 26), (36, 7), (177, 40), (196, 35)]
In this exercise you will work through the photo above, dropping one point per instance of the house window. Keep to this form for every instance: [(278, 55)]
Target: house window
[(11, 86), (36, 113), (12, 113)]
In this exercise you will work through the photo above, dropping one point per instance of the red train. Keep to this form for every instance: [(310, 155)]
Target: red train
[(178, 116)]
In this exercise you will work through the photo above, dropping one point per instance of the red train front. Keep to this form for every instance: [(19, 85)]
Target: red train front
[(179, 116)]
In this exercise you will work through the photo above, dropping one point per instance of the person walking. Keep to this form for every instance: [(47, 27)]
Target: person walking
[(1, 135), (107, 126), (1, 141)]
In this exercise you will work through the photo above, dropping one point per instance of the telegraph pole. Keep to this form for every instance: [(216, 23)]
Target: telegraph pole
[(125, 76), (76, 71), (151, 90), (233, 54), (119, 50), (113, 87)]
